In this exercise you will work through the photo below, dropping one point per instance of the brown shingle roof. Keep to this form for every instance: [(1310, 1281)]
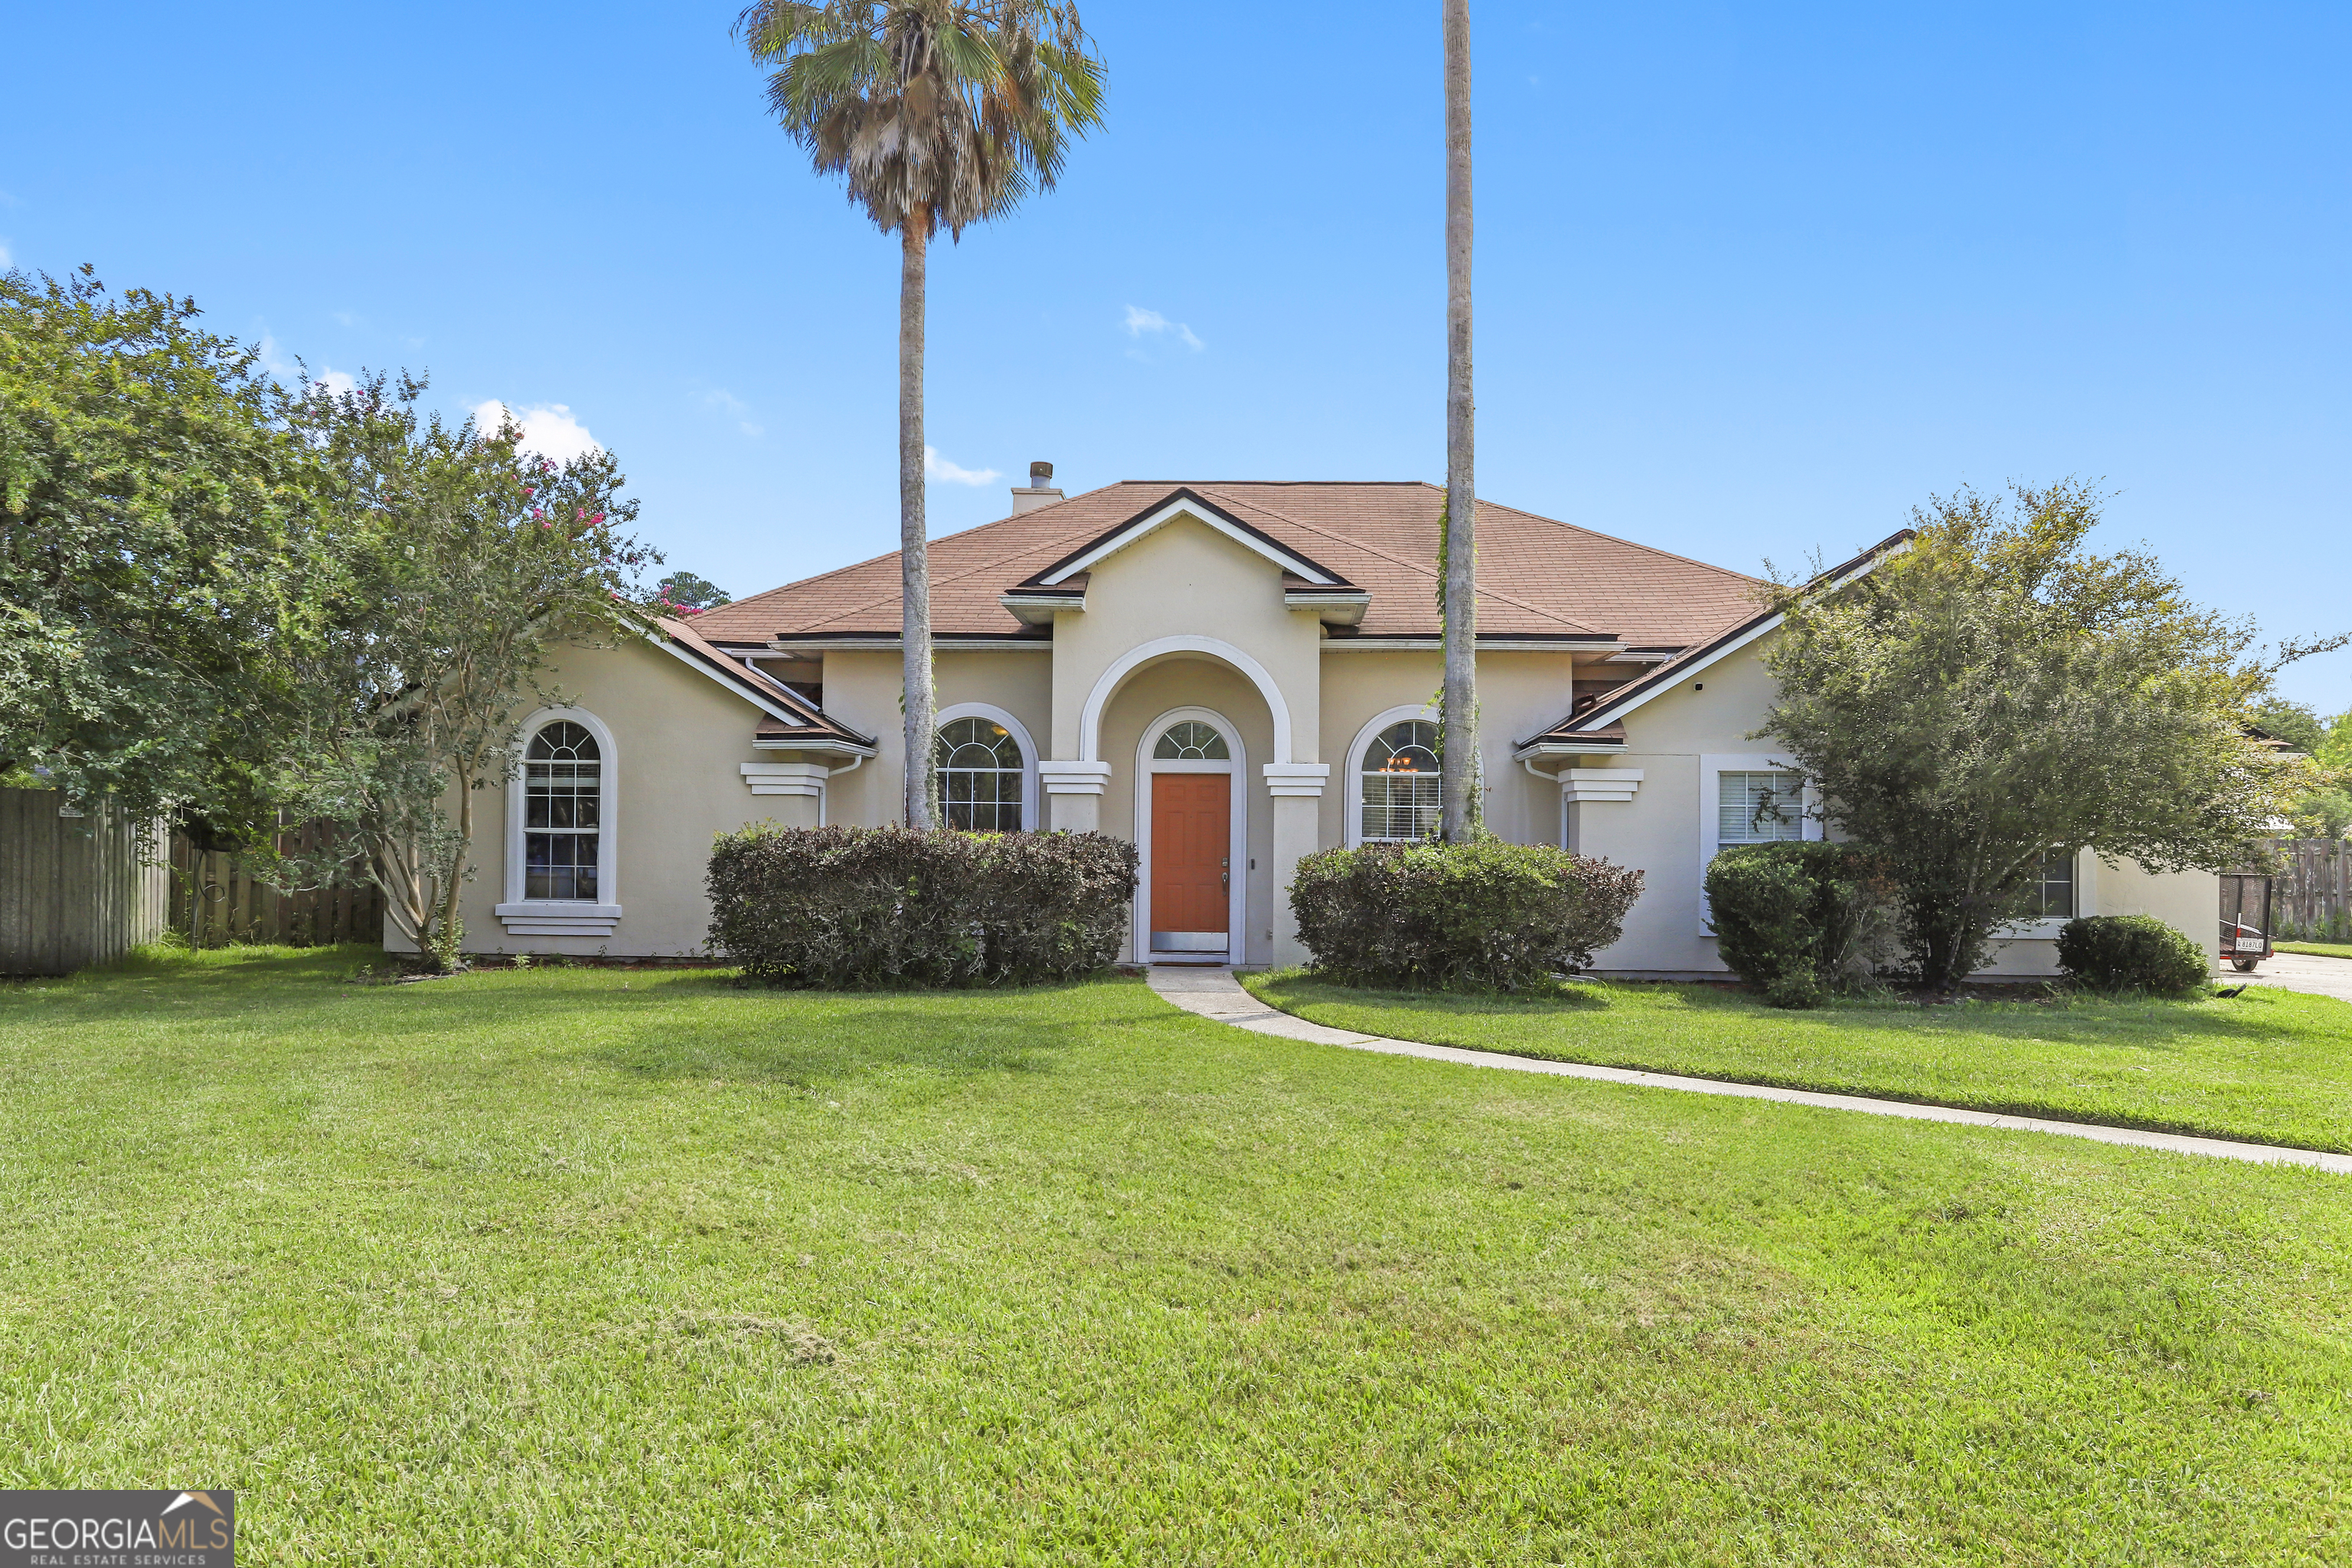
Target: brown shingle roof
[(1537, 576), (814, 726)]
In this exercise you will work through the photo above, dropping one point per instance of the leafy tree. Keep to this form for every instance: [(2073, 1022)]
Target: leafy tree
[(158, 535), (1458, 784), (2293, 722), (684, 593), (463, 561), (936, 114), (1994, 694), (2324, 808)]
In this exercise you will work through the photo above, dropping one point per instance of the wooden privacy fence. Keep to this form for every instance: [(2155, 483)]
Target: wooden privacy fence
[(2311, 898), (216, 902), (74, 890)]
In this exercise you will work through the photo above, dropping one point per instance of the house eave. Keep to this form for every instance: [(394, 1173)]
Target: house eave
[(1341, 609)]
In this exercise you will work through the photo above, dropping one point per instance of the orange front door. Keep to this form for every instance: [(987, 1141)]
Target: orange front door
[(1192, 835)]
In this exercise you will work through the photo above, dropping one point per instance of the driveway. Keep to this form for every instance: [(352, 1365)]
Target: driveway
[(2298, 972)]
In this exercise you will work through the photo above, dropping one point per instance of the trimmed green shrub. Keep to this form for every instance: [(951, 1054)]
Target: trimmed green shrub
[(849, 907), (1799, 920), (1484, 915), (2131, 953)]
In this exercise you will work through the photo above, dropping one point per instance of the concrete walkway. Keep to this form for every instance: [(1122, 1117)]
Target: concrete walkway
[(2297, 971), (1215, 994)]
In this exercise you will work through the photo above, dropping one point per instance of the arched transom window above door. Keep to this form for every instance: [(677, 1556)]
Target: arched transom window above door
[(563, 820), (1400, 787), (982, 775), (1191, 741)]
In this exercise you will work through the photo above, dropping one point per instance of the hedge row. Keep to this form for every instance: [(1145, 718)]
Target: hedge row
[(845, 908), (1483, 915)]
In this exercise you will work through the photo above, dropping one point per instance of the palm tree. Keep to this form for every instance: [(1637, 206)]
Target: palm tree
[(1458, 764), (937, 114)]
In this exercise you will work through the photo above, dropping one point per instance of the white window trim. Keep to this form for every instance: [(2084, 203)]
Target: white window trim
[(1032, 819), (2046, 927), (1354, 819), (1236, 856), (1711, 770), (564, 917)]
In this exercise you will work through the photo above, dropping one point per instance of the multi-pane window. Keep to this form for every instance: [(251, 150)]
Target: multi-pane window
[(2055, 890), (1758, 808), (563, 815), (980, 767), (1190, 741), (1399, 782)]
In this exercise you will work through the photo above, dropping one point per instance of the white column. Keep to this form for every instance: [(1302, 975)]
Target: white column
[(1298, 792), (1074, 794)]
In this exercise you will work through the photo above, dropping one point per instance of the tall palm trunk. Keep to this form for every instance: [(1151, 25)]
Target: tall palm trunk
[(914, 559), (1458, 776)]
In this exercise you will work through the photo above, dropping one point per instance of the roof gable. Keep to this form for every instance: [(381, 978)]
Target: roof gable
[(788, 714), (1606, 717), (1185, 501)]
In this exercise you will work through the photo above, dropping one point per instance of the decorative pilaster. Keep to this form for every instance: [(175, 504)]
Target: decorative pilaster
[(1297, 791), (802, 783), (1074, 794), (1580, 786)]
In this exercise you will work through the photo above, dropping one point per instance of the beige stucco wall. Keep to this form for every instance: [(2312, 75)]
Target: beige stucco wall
[(1185, 580), (679, 738), (1663, 832), (1659, 831), (673, 785), (861, 690), (1519, 694)]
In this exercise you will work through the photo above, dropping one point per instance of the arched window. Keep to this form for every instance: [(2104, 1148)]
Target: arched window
[(980, 775), (1190, 741), (563, 813), (1399, 782)]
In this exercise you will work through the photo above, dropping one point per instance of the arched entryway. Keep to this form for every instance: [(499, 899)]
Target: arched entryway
[(1191, 834), (1195, 806)]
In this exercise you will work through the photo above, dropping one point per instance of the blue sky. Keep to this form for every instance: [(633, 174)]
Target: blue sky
[(1753, 278)]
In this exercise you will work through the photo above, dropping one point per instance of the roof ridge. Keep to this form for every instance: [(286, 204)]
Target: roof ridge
[(1485, 591)]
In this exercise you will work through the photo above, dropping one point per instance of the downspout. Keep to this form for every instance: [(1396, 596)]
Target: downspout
[(824, 790)]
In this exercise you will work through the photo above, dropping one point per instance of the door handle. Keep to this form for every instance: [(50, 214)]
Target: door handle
[(1225, 873)]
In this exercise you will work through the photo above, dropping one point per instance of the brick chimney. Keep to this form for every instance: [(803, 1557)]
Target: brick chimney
[(1040, 491)]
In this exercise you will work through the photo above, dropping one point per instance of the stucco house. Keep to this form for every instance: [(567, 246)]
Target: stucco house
[(1232, 675)]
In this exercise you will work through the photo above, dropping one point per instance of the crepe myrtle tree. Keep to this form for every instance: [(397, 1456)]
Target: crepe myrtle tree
[(1993, 694), (464, 559)]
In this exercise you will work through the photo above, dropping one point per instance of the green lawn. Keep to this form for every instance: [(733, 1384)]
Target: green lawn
[(2274, 1067), (601, 1267), (2318, 949)]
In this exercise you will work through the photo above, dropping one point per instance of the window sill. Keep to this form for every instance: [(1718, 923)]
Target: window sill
[(558, 916)]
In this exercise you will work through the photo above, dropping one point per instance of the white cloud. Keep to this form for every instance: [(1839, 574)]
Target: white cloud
[(1140, 320), (726, 403), (550, 429), (275, 362), (938, 467), (7, 258)]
